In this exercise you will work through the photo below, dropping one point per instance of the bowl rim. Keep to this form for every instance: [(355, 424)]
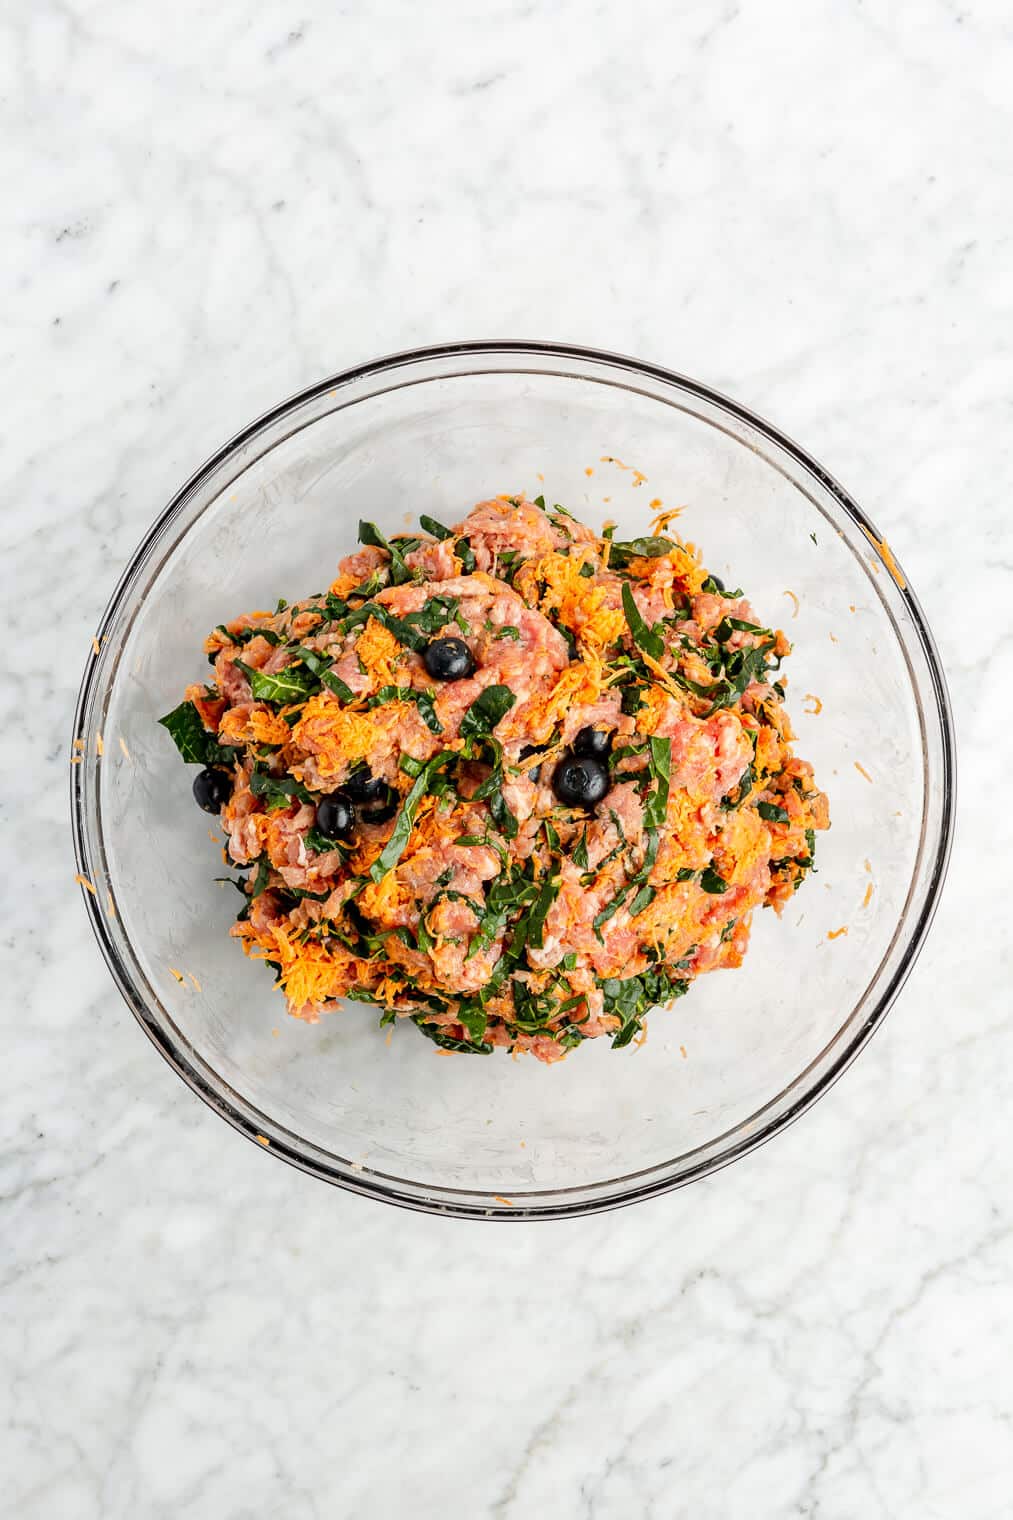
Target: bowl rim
[(495, 1209)]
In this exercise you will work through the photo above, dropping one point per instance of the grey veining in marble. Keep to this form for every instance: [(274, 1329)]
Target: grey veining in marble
[(205, 208)]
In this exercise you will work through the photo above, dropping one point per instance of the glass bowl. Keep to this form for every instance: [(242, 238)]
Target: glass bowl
[(747, 1051)]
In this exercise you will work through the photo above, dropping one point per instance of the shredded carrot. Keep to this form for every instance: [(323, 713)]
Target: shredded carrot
[(867, 899), (852, 607), (196, 983), (100, 748), (818, 708), (110, 905), (541, 478), (795, 600), (79, 744), (662, 519), (639, 478), (95, 644), (682, 1051), (177, 974), (868, 866), (834, 639), (588, 470), (836, 933), (446, 1052), (262, 1140), (83, 881), (507, 1201), (390, 1035), (76, 759), (886, 554), (862, 771), (123, 747)]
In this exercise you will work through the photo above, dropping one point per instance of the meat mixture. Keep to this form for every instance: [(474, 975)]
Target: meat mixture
[(513, 781)]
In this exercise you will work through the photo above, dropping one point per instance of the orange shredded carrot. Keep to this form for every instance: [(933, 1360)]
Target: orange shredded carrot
[(76, 759), (177, 974), (886, 554), (795, 600), (541, 478), (123, 747), (262, 1140), (852, 607), (682, 1051), (390, 1035), (867, 899), (862, 771), (100, 748), (196, 983), (639, 478), (836, 933), (868, 866), (588, 470), (96, 647), (83, 881), (818, 708), (110, 905), (506, 1201), (446, 1052), (662, 519), (79, 744)]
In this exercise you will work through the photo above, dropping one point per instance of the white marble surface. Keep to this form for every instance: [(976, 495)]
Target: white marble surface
[(204, 208)]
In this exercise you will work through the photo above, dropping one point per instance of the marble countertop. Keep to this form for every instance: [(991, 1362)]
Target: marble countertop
[(809, 207)]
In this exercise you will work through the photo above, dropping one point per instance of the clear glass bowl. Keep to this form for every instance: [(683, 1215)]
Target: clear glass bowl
[(729, 1065)]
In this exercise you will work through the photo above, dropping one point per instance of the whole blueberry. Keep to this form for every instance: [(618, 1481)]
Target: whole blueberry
[(363, 787), (595, 743), (212, 789), (335, 816), (448, 660), (580, 781)]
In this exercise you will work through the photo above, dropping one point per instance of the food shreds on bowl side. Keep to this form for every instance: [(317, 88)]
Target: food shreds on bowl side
[(513, 780)]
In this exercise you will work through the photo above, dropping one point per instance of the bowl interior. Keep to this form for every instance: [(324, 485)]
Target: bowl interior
[(271, 518)]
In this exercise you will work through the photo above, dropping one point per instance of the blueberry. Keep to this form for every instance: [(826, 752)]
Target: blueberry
[(448, 660), (384, 808), (580, 781), (593, 743), (212, 789), (335, 816), (361, 786)]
